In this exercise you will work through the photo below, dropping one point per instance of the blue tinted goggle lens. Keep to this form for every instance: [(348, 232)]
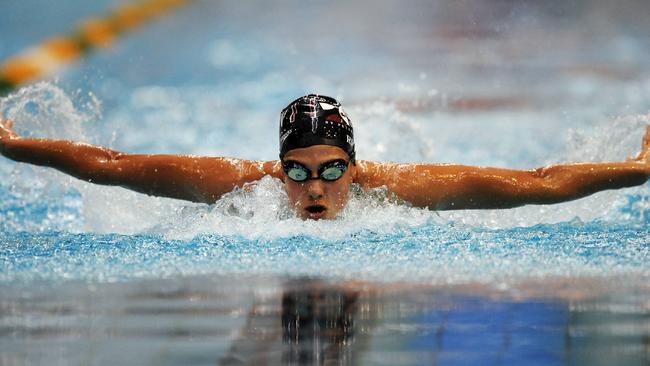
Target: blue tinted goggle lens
[(329, 171)]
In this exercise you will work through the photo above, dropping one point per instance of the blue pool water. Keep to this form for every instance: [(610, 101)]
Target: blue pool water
[(101, 275)]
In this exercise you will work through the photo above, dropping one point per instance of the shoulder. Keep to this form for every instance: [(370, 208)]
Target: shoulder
[(213, 168), (272, 168), (246, 169), (375, 174)]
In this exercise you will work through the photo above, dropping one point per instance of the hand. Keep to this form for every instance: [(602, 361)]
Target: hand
[(644, 155), (7, 133)]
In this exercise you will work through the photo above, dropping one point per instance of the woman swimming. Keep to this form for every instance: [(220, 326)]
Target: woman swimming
[(318, 164)]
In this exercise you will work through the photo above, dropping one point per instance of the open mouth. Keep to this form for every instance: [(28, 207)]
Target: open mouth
[(316, 211)]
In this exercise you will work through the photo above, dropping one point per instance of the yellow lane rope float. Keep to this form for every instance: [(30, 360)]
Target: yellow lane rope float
[(54, 53)]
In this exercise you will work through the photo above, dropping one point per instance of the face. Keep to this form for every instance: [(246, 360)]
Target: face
[(318, 198)]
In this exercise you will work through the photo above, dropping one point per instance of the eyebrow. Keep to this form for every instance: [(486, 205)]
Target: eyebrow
[(319, 165)]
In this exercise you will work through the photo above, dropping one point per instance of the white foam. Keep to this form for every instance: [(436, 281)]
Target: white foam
[(45, 110), (261, 210)]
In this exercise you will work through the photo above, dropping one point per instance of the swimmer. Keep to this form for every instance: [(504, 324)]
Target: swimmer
[(318, 164)]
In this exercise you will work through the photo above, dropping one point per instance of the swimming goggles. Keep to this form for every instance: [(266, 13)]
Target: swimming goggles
[(330, 171)]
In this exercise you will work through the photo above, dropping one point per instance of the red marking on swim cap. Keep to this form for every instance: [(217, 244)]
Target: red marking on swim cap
[(334, 118)]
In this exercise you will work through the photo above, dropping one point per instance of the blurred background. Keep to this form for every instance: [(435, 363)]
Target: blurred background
[(448, 79), (100, 275)]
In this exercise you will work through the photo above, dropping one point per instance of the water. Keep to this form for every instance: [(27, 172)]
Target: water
[(100, 275)]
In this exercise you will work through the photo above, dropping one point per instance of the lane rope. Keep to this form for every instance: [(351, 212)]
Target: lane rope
[(51, 55)]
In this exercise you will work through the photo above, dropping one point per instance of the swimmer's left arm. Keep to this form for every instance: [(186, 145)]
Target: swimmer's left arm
[(449, 187)]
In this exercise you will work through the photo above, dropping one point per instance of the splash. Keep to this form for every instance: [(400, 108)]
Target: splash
[(37, 199), (45, 110), (261, 211)]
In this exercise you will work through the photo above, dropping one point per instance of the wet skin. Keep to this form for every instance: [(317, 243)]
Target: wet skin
[(436, 186), (317, 198)]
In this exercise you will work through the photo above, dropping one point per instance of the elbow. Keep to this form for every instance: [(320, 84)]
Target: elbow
[(548, 187), (103, 169)]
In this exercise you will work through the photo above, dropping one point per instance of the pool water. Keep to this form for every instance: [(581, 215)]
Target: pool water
[(101, 275)]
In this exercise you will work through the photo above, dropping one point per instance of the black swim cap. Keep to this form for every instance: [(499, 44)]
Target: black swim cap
[(315, 120)]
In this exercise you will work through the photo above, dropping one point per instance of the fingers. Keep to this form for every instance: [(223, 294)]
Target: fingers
[(644, 155), (6, 124), (6, 128)]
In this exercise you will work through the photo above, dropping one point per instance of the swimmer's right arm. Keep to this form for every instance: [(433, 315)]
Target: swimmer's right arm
[(191, 178)]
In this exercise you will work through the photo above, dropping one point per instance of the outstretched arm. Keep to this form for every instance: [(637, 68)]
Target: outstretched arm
[(448, 187), (198, 179)]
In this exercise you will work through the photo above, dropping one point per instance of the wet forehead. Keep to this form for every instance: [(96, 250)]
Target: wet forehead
[(317, 154)]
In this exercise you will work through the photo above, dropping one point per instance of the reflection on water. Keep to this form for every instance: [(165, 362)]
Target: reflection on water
[(251, 321), (316, 325)]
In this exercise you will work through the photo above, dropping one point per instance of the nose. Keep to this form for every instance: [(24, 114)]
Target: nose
[(315, 189)]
